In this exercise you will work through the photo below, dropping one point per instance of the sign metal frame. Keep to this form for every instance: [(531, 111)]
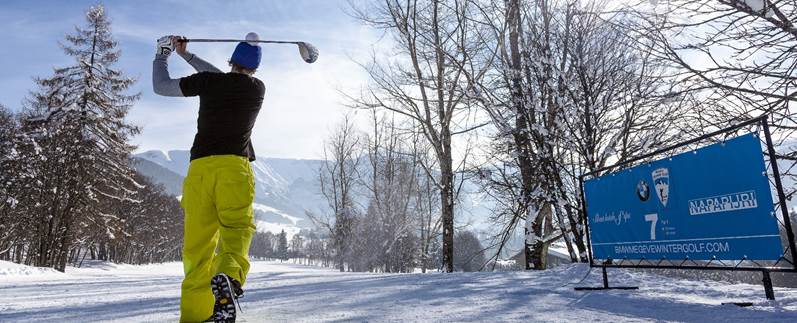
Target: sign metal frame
[(787, 261)]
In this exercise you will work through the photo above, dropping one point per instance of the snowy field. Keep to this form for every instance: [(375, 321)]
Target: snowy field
[(279, 292)]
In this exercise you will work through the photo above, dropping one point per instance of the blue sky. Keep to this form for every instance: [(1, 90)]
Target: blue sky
[(303, 101)]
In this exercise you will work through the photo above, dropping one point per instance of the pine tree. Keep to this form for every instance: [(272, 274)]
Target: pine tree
[(282, 246), (9, 162), (76, 118), (8, 129)]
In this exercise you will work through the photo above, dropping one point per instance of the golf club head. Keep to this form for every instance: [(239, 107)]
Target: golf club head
[(309, 52)]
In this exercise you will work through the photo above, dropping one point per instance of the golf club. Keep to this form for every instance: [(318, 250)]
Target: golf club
[(308, 51)]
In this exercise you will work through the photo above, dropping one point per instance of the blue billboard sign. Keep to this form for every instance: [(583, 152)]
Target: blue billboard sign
[(711, 203)]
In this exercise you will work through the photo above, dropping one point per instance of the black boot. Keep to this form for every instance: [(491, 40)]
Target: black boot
[(226, 290)]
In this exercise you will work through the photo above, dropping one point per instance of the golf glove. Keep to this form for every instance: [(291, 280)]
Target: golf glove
[(165, 45)]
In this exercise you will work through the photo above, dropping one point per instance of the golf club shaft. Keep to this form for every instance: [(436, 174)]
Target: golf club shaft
[(200, 40), (309, 52)]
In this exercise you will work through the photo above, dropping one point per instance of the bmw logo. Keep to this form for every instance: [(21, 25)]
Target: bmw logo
[(642, 190)]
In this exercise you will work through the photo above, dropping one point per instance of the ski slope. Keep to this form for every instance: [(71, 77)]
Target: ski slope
[(283, 292)]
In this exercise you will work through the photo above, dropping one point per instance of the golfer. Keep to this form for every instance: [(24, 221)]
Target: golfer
[(219, 189)]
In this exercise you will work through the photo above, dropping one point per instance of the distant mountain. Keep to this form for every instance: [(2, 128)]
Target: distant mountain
[(171, 181), (284, 188), (175, 160)]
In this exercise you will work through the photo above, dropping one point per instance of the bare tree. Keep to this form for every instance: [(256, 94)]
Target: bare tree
[(425, 81), (262, 245), (338, 177), (736, 56), (569, 93), (390, 184), (525, 101), (619, 105), (427, 204)]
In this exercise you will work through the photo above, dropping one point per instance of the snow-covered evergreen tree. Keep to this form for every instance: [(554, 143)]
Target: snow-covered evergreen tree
[(77, 119), (282, 245), (148, 227), (8, 129), (9, 162)]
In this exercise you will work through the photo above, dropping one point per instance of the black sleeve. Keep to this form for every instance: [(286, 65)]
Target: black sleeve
[(195, 84)]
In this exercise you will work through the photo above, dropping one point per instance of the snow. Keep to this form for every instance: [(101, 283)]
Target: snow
[(10, 271), (158, 156), (276, 228), (267, 176), (173, 160), (756, 5), (266, 208), (759, 6), (12, 202), (283, 292)]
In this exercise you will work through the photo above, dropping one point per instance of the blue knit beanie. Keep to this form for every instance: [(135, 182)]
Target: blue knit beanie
[(246, 55)]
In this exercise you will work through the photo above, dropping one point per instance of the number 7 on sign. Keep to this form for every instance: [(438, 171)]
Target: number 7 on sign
[(653, 218)]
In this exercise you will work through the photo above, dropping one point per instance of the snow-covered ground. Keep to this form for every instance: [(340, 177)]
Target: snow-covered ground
[(284, 292)]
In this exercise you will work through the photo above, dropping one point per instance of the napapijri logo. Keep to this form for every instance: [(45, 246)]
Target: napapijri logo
[(643, 190), (723, 203), (661, 181)]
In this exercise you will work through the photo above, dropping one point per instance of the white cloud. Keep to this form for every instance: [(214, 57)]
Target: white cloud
[(302, 100)]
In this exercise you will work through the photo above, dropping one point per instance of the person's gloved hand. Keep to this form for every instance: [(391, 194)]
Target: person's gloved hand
[(165, 45)]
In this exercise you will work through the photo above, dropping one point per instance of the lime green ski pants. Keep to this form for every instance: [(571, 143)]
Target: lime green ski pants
[(219, 224)]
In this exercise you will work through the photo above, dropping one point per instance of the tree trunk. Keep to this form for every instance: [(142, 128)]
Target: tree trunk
[(539, 248), (521, 134), (447, 203)]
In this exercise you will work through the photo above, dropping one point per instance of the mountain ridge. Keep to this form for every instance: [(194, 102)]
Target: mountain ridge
[(285, 189)]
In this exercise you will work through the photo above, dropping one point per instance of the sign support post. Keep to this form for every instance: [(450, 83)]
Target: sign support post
[(770, 293), (606, 282), (779, 186)]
